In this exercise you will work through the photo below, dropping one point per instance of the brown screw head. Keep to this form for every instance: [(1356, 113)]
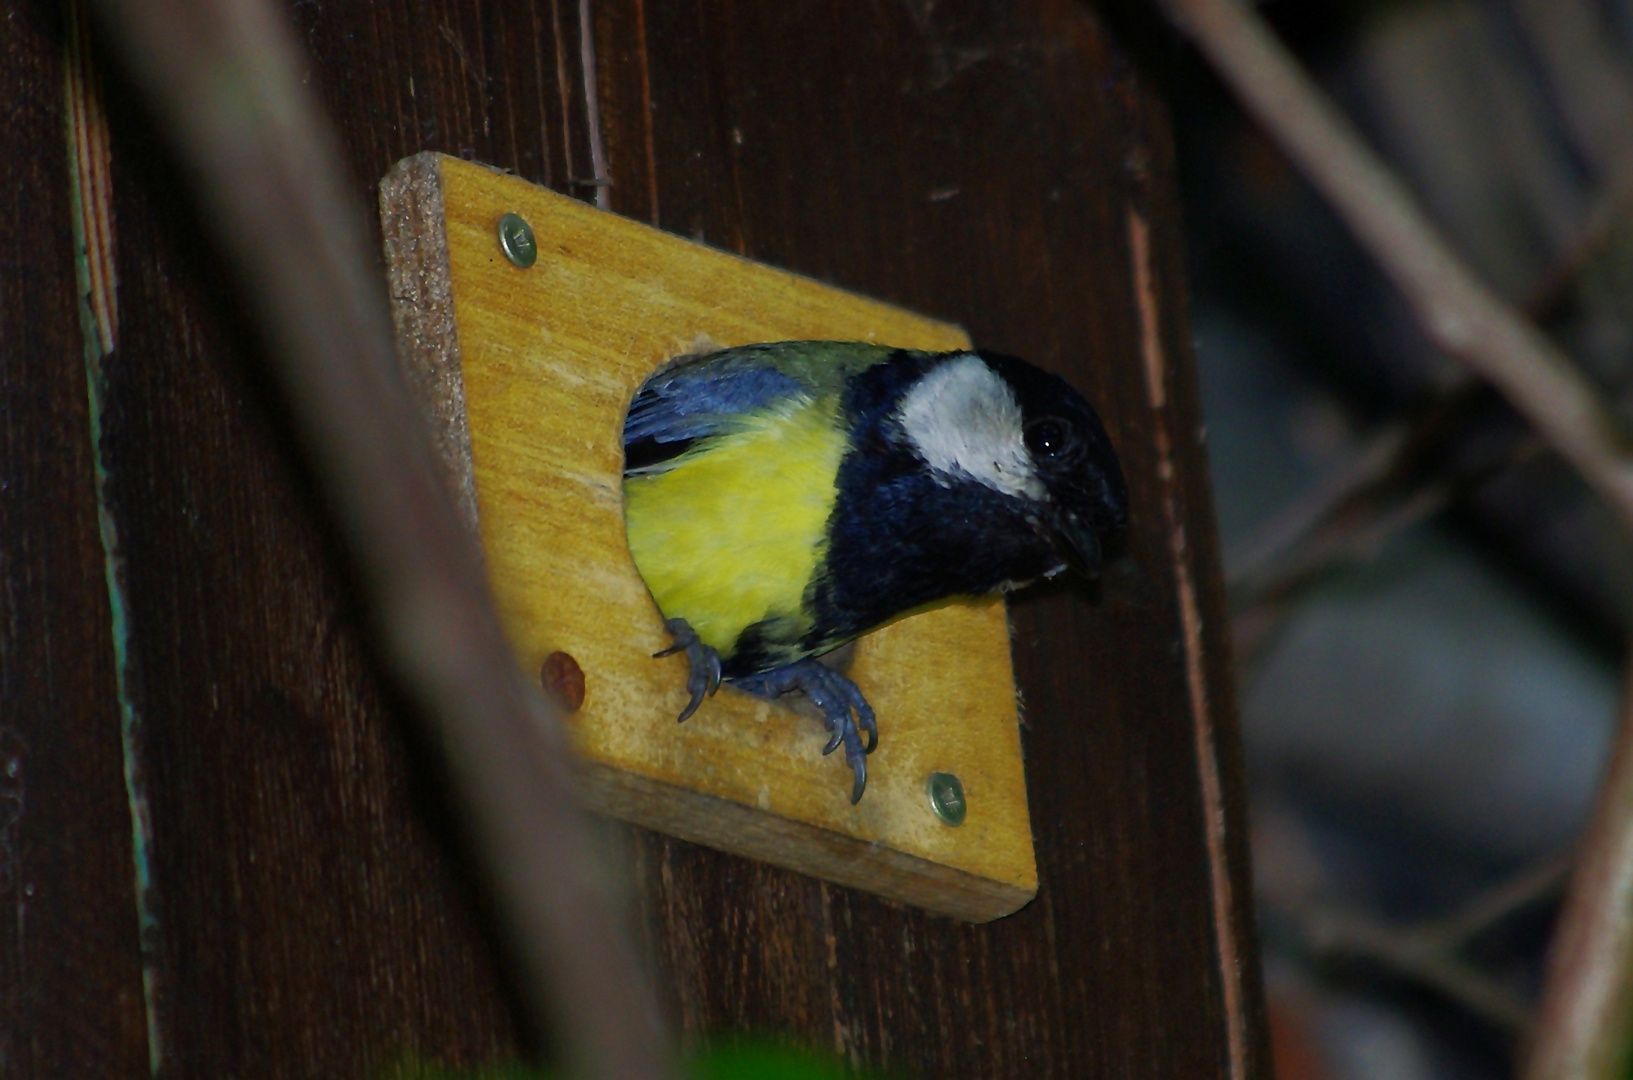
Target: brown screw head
[(563, 680)]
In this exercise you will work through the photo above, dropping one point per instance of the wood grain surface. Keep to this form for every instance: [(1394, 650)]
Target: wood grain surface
[(1002, 166), (70, 973)]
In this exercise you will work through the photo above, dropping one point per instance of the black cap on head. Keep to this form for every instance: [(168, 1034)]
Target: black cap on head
[(1073, 458)]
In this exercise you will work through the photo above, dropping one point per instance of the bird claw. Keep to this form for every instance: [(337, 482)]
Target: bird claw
[(703, 664), (845, 711)]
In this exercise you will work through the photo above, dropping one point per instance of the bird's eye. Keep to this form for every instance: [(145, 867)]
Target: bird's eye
[(1049, 437)]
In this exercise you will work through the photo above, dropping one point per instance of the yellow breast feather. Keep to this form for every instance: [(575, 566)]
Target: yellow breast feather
[(732, 532)]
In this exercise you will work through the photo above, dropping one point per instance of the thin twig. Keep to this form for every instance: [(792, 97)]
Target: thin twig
[(1259, 566), (1427, 952), (1292, 527), (1610, 209), (1359, 493), (1261, 605), (1386, 454), (1583, 1030), (1530, 886), (1458, 312), (1348, 934), (1350, 521), (1584, 1027), (1348, 538), (224, 78)]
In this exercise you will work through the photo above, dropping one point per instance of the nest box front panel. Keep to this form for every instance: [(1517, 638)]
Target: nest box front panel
[(528, 370)]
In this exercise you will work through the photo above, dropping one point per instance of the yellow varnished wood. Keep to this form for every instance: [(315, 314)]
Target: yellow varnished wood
[(550, 357)]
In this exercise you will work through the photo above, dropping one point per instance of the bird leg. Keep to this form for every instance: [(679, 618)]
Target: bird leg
[(837, 697), (703, 676)]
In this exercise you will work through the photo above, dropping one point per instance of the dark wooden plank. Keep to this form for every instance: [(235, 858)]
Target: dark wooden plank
[(309, 915), (70, 970), (988, 164), (982, 162), (308, 919)]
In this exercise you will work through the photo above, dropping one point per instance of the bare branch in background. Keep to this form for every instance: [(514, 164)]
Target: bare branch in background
[(1428, 953), (1531, 886), (1402, 473), (224, 78), (1401, 476), (1608, 213), (1335, 935), (1285, 536), (1458, 312), (1584, 1028)]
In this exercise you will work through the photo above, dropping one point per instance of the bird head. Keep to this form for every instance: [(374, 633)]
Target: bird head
[(1030, 437)]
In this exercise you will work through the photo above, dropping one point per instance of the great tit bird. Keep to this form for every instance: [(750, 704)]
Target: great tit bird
[(782, 499)]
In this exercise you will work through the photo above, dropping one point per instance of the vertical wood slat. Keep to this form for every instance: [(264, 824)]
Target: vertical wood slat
[(977, 161), (71, 1002), (1011, 148)]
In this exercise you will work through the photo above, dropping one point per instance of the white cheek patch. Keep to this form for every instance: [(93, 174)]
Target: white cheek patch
[(964, 422)]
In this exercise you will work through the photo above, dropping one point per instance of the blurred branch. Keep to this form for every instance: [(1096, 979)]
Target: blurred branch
[(225, 79), (1350, 517), (1599, 226), (1336, 934), (1459, 313), (1288, 532), (1263, 597), (1530, 886), (1404, 472), (1403, 475), (1584, 1027), (1426, 953)]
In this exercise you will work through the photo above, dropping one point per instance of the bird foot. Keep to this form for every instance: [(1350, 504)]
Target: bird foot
[(703, 676), (845, 711)]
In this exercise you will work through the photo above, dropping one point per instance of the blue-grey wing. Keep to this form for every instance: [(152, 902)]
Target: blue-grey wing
[(707, 396), (698, 399)]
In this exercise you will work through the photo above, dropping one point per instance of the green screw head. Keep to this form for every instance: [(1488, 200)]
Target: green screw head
[(516, 239), (947, 797)]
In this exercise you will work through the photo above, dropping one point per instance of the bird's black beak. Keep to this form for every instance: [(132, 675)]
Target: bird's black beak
[(1077, 542)]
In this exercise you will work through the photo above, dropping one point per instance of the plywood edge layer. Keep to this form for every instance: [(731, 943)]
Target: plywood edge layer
[(422, 310), (797, 846)]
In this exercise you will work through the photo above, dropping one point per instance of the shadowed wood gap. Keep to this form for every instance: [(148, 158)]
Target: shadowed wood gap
[(93, 185), (592, 106), (546, 172), (71, 999), (564, 88), (91, 161), (1225, 916), (646, 112)]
